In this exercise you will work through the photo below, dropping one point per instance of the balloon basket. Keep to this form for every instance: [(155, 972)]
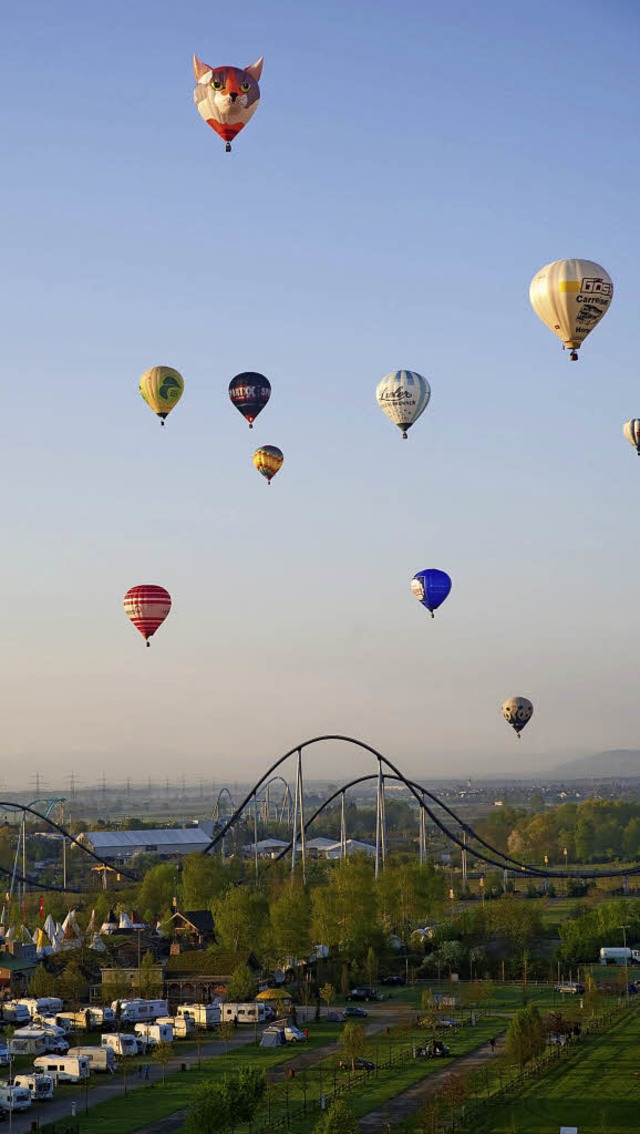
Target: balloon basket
[(228, 147)]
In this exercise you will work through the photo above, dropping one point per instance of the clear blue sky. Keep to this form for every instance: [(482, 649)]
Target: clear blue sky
[(409, 169)]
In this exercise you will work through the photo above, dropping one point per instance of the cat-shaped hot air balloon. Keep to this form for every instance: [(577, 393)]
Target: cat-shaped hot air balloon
[(227, 97)]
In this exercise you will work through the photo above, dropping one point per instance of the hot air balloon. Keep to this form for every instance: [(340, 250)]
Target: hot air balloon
[(517, 712), (403, 395), (431, 588), (147, 606), (268, 459), (631, 430), (571, 296), (227, 97), (250, 393), (161, 387)]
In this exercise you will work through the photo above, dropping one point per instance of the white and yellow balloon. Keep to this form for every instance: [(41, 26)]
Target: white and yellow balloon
[(403, 395), (631, 430), (571, 296)]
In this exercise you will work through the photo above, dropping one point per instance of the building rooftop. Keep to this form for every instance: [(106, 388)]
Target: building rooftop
[(165, 836)]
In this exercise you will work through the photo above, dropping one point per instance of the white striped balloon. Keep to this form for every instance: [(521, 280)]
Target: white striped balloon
[(403, 395), (631, 430)]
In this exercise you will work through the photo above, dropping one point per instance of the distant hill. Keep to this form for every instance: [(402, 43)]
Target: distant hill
[(617, 763)]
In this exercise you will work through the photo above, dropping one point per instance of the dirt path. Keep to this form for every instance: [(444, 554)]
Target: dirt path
[(406, 1104)]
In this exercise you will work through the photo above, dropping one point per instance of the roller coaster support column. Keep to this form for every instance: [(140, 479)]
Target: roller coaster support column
[(255, 831), (464, 859), (343, 828), (24, 854), (422, 838), (380, 824), (298, 813)]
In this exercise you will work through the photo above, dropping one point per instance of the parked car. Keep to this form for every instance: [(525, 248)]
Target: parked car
[(359, 1064), (353, 1010), (449, 1022), (363, 994), (436, 1049), (570, 986), (391, 979), (293, 1034)]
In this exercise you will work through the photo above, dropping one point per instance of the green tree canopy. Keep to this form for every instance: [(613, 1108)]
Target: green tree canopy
[(338, 1119)]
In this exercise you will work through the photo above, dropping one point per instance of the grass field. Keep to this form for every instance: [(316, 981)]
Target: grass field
[(597, 1091)]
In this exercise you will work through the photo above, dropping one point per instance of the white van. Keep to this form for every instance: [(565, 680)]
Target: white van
[(121, 1043), (4, 1054), (155, 1033), (64, 1068), (14, 1098), (100, 1058), (204, 1015), (38, 1084)]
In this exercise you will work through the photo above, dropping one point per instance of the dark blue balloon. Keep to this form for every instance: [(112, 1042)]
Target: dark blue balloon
[(431, 587)]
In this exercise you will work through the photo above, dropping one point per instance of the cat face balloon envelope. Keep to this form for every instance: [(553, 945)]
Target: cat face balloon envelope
[(227, 97)]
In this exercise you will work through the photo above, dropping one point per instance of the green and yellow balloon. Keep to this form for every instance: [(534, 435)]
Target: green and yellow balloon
[(161, 387)]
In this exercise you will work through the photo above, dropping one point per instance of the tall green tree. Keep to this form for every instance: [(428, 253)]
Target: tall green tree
[(352, 1041), (208, 1111), (242, 918), (204, 879), (525, 1036), (338, 1119), (157, 890), (242, 985)]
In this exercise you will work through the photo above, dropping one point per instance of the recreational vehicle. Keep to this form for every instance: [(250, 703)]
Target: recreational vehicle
[(140, 1011), (121, 1043), (183, 1026), (37, 1083), (14, 1012), (203, 1015), (100, 1058), (64, 1068), (42, 1005), (28, 1041), (14, 1098), (253, 1012), (88, 1018), (155, 1033)]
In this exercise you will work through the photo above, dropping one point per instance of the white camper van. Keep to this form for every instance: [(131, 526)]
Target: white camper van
[(155, 1033), (203, 1015), (42, 1005), (183, 1026), (253, 1012), (38, 1084), (140, 1011), (14, 1098), (58, 1021), (28, 1041), (100, 1058), (64, 1068), (121, 1043), (92, 1018), (13, 1012)]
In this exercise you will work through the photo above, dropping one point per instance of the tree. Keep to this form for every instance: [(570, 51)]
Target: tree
[(289, 924), (352, 1041), (241, 917), (525, 1036), (157, 891), (150, 980), (162, 1053), (203, 880), (328, 994), (208, 1112), (72, 984), (242, 985), (245, 1092), (42, 983), (225, 1031), (338, 1119)]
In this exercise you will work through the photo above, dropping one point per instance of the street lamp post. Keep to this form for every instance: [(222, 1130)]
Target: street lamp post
[(624, 929)]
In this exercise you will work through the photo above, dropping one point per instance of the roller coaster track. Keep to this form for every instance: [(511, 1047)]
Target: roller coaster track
[(495, 857)]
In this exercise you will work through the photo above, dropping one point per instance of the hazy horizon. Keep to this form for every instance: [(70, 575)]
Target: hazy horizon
[(408, 171)]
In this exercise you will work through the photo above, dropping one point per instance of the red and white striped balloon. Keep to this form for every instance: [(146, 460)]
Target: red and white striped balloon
[(147, 606)]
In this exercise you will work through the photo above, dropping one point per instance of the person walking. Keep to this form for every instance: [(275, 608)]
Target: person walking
[(492, 1043), (146, 1070)]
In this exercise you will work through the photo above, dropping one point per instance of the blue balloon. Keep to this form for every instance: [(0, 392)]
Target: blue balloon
[(431, 588)]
